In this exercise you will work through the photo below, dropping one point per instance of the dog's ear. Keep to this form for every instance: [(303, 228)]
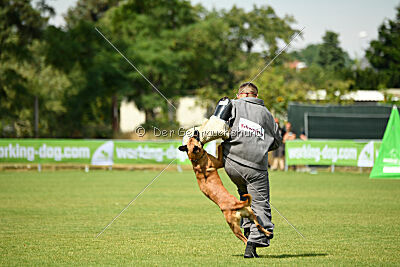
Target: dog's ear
[(196, 135), (183, 148)]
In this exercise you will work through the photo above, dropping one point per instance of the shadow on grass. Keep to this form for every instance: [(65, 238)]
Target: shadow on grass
[(283, 256)]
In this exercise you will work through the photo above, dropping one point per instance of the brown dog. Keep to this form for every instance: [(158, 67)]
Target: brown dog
[(205, 167)]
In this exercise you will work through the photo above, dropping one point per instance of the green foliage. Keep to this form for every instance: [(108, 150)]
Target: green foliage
[(328, 68), (384, 53), (80, 80), (280, 85), (367, 79), (260, 24), (20, 25), (94, 73), (226, 48), (331, 56), (184, 50), (148, 34), (309, 54), (48, 85), (88, 10)]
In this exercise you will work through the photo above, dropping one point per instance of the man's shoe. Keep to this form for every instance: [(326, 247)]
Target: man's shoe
[(250, 251), (246, 232)]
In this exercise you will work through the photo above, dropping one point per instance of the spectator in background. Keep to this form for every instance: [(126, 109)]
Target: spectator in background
[(303, 135), (289, 135), (278, 154)]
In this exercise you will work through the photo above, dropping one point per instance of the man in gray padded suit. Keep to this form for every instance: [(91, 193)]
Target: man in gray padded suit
[(253, 132)]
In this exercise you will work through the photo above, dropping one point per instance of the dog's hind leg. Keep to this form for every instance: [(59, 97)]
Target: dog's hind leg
[(238, 232), (233, 222)]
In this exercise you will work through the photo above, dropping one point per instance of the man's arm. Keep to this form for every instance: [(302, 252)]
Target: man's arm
[(277, 137)]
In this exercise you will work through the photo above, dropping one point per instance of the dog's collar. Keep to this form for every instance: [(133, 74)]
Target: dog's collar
[(197, 160)]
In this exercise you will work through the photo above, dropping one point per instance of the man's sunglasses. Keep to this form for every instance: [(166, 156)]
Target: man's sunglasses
[(247, 94)]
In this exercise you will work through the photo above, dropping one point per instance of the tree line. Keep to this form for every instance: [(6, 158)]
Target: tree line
[(76, 81)]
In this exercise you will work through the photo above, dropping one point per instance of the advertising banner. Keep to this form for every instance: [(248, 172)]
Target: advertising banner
[(109, 152), (331, 152), (93, 152)]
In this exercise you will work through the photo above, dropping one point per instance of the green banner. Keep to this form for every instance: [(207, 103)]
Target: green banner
[(331, 152), (387, 164), (93, 152)]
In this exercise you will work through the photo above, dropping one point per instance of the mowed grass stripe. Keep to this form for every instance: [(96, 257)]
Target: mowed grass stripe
[(51, 218)]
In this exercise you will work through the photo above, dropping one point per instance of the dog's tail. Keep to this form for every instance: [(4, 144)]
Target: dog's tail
[(248, 196)]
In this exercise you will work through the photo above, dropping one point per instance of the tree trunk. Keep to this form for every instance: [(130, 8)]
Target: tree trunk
[(36, 116), (115, 114), (150, 115)]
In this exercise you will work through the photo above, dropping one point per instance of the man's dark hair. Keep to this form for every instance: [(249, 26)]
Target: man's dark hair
[(248, 87)]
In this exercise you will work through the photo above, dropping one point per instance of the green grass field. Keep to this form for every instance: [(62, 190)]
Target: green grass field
[(52, 218)]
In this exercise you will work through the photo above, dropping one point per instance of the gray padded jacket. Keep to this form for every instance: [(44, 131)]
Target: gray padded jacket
[(253, 133)]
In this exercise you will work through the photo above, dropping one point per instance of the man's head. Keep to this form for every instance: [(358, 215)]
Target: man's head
[(247, 90), (194, 148)]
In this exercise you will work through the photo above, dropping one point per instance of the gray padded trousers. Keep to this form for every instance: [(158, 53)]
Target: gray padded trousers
[(256, 183)]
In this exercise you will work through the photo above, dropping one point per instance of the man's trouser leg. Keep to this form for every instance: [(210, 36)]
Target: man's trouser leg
[(256, 183)]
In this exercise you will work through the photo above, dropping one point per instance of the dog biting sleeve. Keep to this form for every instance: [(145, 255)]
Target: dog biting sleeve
[(216, 127)]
